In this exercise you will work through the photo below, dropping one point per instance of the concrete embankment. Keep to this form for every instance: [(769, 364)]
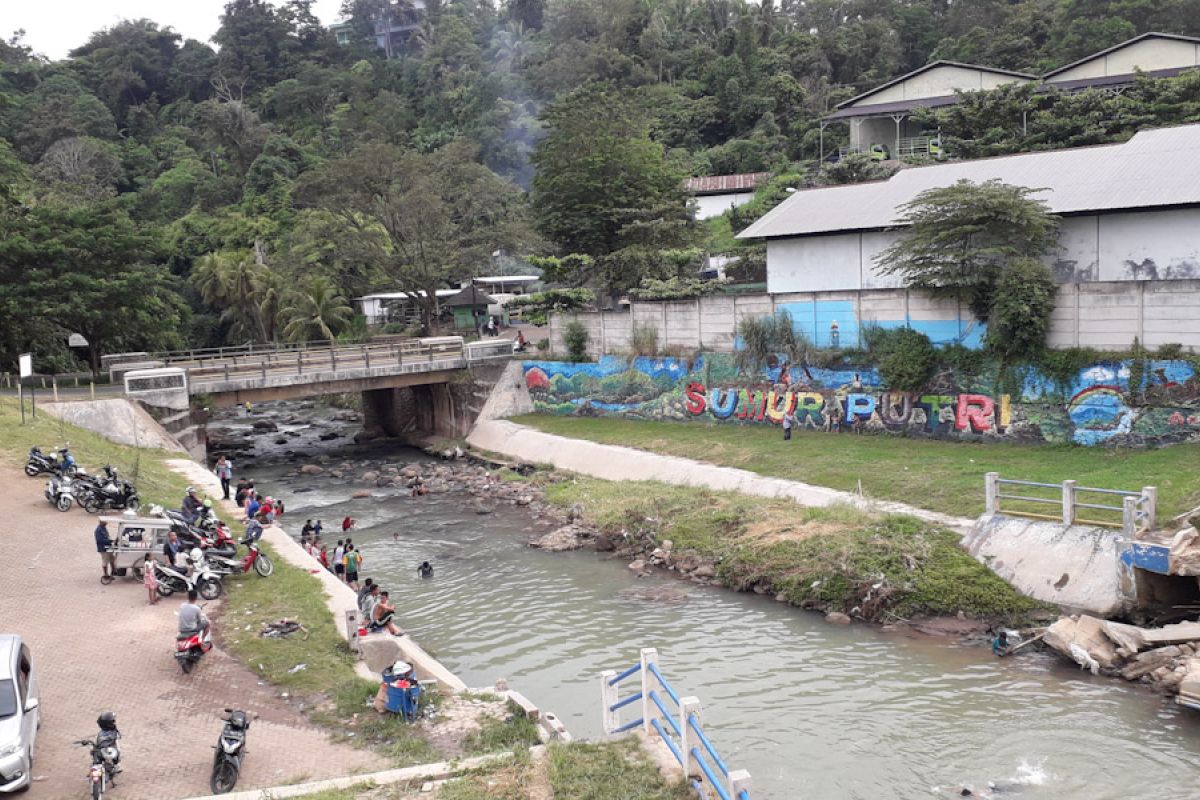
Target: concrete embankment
[(615, 463), (116, 419)]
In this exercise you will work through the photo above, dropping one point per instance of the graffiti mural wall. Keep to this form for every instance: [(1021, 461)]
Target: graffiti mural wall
[(1093, 409)]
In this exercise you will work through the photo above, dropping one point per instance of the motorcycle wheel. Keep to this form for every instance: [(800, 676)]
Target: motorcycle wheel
[(97, 791), (186, 665), (63, 503), (224, 777), (263, 566), (91, 505), (133, 504), (32, 470), (209, 588), (164, 590)]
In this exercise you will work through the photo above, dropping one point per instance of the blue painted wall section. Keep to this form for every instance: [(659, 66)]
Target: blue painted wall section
[(1091, 409), (835, 323)]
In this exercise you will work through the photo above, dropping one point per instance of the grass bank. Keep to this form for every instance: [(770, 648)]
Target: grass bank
[(833, 558), (935, 475)]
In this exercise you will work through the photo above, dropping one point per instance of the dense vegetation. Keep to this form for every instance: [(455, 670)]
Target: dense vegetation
[(156, 192)]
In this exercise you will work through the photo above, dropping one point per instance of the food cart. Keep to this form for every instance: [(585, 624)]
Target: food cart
[(133, 539)]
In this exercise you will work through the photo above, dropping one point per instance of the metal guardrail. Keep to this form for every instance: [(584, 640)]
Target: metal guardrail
[(677, 724), (430, 351), (1138, 510)]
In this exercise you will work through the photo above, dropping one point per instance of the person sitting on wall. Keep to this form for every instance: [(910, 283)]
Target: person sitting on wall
[(381, 616)]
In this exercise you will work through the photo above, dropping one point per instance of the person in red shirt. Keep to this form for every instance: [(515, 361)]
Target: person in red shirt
[(347, 524)]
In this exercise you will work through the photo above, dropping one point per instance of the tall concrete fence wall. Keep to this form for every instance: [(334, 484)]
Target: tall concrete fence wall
[(1102, 315)]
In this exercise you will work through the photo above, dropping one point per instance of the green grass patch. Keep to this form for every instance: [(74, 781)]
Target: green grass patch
[(155, 481), (608, 770), (494, 735), (936, 475), (829, 558), (507, 779), (290, 593)]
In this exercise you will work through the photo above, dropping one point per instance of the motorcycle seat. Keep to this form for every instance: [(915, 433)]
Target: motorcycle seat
[(179, 637)]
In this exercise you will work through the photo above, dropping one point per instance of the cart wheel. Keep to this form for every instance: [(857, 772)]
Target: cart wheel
[(106, 579)]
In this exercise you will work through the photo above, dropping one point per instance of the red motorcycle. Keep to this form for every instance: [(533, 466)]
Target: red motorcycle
[(190, 646), (225, 562)]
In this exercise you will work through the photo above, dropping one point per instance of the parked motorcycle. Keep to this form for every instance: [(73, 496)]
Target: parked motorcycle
[(190, 646), (231, 749), (106, 755), (60, 491), (254, 559), (108, 490), (58, 462), (200, 577), (219, 543)]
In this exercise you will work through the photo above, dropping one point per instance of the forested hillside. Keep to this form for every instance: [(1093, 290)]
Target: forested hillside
[(156, 192)]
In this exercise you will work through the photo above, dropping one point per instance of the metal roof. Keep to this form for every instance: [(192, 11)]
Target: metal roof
[(1124, 44), (720, 184), (885, 109), (926, 68), (1155, 168)]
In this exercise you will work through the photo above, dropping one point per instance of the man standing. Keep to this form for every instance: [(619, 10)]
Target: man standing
[(339, 566), (788, 419), (224, 470), (172, 547), (108, 559)]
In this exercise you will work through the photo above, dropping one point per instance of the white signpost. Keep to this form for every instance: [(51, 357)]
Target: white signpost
[(25, 365)]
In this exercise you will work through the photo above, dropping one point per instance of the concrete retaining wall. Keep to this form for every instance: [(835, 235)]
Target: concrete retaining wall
[(1106, 315), (118, 420), (1076, 566)]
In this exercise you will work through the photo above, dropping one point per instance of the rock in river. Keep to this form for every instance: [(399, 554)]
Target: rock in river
[(311, 469), (568, 537), (265, 425)]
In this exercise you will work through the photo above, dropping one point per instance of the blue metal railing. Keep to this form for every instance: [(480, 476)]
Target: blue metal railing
[(677, 725)]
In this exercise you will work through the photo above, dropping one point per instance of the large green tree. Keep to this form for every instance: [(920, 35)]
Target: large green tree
[(429, 219), (960, 240), (87, 269)]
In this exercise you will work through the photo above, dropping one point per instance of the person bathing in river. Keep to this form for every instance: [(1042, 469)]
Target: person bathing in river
[(1000, 644), (425, 570)]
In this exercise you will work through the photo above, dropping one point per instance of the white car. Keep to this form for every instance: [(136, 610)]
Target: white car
[(19, 717)]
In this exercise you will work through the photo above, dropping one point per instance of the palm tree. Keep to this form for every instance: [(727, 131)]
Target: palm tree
[(234, 283), (315, 311)]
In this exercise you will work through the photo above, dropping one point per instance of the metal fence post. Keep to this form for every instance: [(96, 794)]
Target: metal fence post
[(367, 357), (1150, 497), (1068, 502), (649, 656), (991, 490), (1129, 516), (299, 362), (54, 383), (688, 706), (608, 697), (333, 359), (739, 781)]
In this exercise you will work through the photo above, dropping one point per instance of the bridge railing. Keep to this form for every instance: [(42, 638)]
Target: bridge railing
[(677, 724), (300, 361), (1132, 512), (489, 349)]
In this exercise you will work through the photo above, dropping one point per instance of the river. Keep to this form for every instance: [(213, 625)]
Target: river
[(813, 710)]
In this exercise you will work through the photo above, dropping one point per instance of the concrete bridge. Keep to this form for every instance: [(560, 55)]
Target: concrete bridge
[(406, 384)]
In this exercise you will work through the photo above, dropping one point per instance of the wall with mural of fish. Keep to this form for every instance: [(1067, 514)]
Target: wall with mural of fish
[(1092, 409)]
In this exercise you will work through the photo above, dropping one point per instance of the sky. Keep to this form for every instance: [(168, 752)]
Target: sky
[(52, 27)]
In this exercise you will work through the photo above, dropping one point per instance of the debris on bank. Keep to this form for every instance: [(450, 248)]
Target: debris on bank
[(1167, 659)]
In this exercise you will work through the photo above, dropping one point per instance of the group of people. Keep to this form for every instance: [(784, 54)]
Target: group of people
[(254, 506), (345, 560)]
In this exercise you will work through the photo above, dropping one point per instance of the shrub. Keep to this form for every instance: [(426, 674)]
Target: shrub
[(906, 358), (575, 337), (1021, 308), (542, 345), (1063, 366), (1169, 351), (645, 340)]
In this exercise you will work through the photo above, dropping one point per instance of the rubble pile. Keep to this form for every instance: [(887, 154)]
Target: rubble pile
[(1167, 658)]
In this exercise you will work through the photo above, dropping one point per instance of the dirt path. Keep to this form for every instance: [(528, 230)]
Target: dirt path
[(102, 648)]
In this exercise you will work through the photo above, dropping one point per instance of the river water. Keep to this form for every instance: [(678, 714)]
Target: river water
[(814, 711)]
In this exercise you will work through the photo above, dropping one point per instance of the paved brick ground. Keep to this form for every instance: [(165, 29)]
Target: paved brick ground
[(104, 647)]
